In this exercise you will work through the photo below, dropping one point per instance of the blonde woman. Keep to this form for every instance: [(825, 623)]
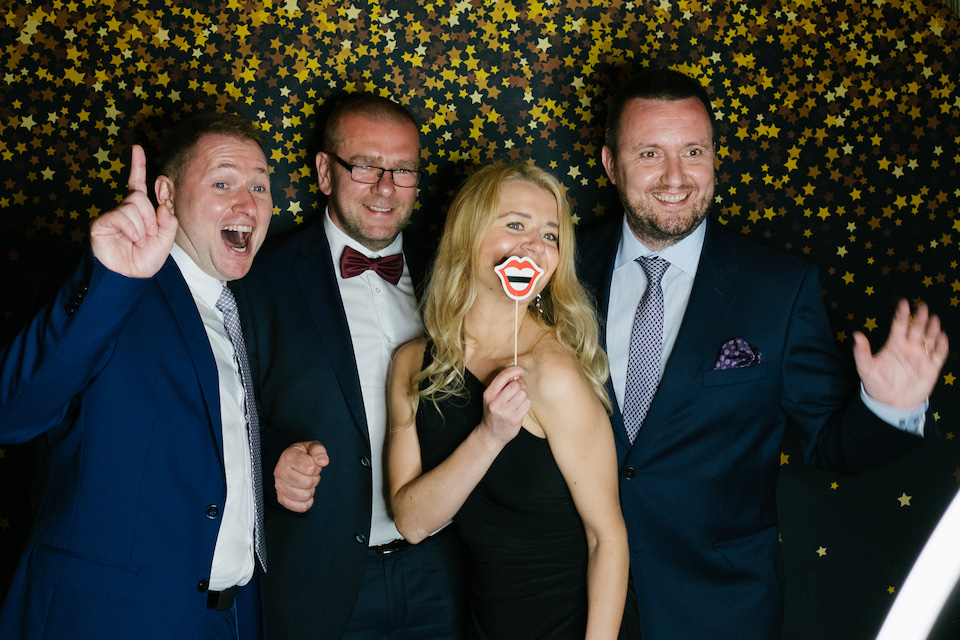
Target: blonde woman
[(521, 456)]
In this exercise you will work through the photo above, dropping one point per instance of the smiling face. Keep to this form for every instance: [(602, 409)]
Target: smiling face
[(223, 204), (663, 168), (371, 214), (526, 226)]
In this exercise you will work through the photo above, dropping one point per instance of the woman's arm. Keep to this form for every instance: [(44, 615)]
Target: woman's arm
[(423, 502), (581, 439)]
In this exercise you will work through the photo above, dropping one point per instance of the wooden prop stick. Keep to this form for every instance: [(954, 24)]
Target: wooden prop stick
[(519, 277), (516, 328)]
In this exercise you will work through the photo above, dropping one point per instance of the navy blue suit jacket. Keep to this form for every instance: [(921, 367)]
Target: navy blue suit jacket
[(308, 388), (119, 375), (698, 486)]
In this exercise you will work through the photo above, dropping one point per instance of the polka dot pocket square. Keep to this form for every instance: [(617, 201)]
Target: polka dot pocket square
[(737, 353)]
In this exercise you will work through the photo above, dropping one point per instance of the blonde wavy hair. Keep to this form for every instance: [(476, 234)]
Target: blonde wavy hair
[(452, 288)]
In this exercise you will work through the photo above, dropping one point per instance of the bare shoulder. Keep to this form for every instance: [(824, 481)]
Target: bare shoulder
[(563, 403), (554, 373)]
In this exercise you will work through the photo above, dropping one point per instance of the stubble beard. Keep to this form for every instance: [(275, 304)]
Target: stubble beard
[(657, 232), (353, 225)]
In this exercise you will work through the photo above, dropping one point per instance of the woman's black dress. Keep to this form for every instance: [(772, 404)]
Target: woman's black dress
[(525, 547)]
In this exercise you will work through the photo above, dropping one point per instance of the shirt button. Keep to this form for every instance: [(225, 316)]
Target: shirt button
[(212, 511), (365, 461), (360, 538), (377, 289), (204, 584), (629, 473)]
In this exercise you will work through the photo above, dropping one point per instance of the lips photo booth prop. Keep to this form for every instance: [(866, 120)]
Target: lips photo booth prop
[(519, 276)]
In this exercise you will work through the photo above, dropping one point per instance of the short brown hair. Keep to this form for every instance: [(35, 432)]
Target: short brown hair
[(652, 84), (182, 138)]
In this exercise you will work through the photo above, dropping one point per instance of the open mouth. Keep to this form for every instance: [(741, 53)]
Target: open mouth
[(237, 236)]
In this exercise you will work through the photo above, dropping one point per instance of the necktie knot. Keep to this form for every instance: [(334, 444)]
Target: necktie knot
[(654, 267), (226, 302), (353, 263)]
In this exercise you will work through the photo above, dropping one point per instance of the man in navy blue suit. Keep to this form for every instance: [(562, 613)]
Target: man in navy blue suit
[(147, 524), (324, 309), (728, 345)]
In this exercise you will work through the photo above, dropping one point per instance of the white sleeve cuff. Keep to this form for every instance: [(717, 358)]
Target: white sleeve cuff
[(910, 420)]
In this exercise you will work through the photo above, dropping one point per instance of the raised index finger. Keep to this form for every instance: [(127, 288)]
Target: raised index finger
[(138, 170)]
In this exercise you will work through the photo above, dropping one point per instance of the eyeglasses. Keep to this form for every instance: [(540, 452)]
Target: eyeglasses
[(371, 175)]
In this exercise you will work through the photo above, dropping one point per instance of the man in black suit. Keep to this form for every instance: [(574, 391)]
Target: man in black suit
[(323, 313), (739, 346)]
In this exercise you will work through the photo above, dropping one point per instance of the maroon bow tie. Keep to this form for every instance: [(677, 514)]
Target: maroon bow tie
[(353, 263)]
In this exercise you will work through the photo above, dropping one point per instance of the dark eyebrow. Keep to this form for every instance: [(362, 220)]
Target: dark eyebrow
[(370, 161)]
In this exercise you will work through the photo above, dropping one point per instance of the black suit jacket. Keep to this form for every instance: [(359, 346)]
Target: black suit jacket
[(308, 388), (698, 486)]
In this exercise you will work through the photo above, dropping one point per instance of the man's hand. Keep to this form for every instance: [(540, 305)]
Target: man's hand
[(297, 474), (134, 239), (905, 370)]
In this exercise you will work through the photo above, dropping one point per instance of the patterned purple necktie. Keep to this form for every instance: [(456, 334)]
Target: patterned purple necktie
[(227, 305), (646, 346)]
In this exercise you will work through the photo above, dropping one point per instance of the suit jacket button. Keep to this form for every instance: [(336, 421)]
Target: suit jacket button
[(629, 473), (212, 511), (360, 538), (365, 461), (204, 584)]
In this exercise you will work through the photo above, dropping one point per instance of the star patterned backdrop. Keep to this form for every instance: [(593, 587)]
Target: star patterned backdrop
[(839, 142)]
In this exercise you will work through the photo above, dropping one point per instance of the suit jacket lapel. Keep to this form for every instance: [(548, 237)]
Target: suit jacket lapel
[(194, 334), (318, 282)]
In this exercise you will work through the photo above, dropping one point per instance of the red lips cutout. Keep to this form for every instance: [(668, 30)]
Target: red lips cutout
[(518, 276)]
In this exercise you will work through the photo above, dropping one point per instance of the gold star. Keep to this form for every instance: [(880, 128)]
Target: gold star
[(822, 551), (784, 459), (904, 500)]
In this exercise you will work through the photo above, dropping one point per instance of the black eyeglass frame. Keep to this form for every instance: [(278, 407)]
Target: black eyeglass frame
[(393, 172)]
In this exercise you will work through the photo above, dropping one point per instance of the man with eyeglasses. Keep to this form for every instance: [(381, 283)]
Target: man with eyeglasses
[(324, 312)]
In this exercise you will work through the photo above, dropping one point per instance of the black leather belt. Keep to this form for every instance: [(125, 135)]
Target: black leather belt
[(391, 547), (221, 600)]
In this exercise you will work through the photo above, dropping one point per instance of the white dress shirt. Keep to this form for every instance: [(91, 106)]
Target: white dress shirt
[(233, 557), (627, 286), (381, 317)]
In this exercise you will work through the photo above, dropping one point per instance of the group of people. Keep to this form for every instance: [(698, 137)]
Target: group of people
[(305, 454)]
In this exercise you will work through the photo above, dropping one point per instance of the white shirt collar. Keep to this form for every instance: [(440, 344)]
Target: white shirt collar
[(685, 255), (202, 284)]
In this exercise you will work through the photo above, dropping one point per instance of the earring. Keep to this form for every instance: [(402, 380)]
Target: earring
[(536, 303)]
